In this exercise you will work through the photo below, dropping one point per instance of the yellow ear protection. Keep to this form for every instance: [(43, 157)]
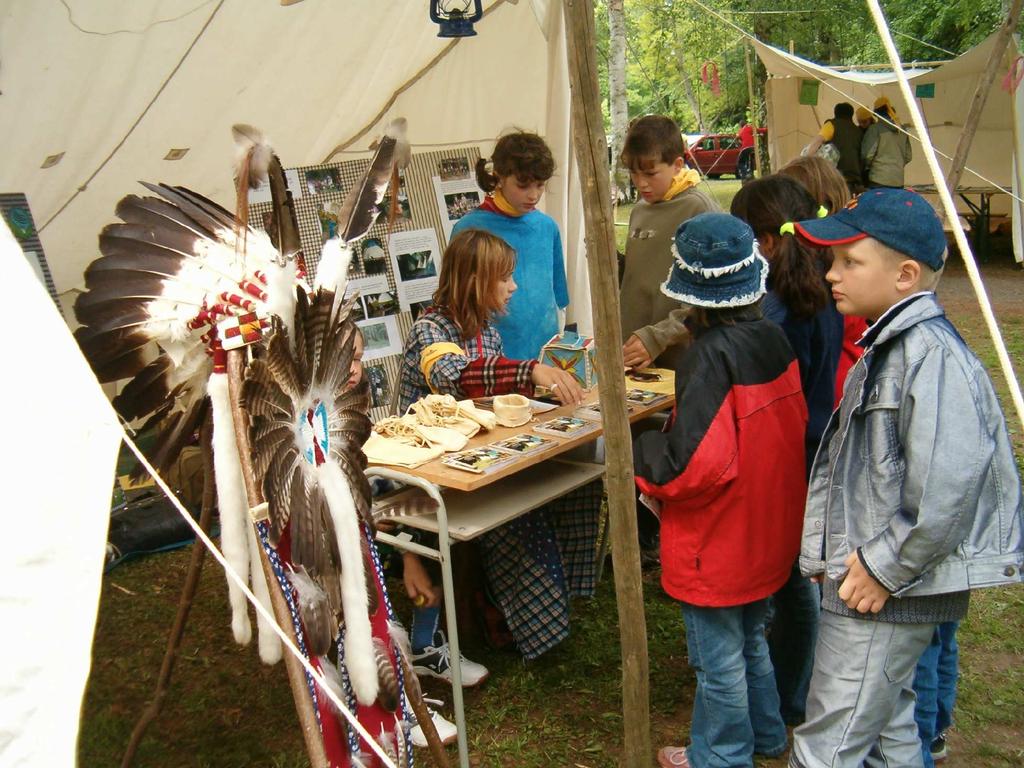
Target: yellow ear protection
[(789, 228)]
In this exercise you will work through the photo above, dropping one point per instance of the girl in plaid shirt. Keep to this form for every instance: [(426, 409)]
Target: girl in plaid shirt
[(535, 562)]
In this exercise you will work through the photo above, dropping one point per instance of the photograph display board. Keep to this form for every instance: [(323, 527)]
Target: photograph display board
[(394, 269), (19, 220)]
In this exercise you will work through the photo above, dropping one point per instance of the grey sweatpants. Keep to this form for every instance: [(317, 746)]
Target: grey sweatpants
[(860, 709)]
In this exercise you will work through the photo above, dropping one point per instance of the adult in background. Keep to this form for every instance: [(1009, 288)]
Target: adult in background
[(846, 136), (885, 150)]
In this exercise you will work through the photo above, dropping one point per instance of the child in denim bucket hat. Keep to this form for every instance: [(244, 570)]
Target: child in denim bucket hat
[(914, 496), (727, 476)]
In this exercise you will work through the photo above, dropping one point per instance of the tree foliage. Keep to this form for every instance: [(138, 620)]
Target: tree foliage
[(669, 42)]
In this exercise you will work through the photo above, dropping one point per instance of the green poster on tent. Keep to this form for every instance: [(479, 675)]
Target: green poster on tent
[(809, 92), (924, 90)]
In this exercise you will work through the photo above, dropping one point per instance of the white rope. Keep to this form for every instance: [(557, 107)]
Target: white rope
[(950, 208), (850, 98), (325, 687)]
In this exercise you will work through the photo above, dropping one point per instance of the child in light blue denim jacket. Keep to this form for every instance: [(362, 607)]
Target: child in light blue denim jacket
[(914, 496)]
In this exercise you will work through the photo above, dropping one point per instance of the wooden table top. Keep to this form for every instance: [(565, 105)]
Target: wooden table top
[(450, 477)]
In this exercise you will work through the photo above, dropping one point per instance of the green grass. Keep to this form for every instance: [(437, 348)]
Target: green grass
[(226, 709)]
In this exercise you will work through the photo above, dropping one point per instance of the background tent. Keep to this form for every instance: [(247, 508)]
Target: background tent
[(944, 95), (113, 87)]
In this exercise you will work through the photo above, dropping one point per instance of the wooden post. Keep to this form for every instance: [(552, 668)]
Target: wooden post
[(753, 109), (963, 145), (296, 672), (188, 592), (591, 155)]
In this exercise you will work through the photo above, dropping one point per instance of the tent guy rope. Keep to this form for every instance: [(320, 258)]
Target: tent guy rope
[(950, 209), (324, 686)]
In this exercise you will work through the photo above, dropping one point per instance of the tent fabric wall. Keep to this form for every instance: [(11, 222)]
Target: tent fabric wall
[(56, 519), (115, 86), (792, 125)]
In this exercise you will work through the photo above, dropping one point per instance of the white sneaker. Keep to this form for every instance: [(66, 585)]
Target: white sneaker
[(446, 730), (435, 661)]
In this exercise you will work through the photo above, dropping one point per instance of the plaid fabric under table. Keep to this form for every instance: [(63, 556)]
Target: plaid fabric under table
[(536, 562)]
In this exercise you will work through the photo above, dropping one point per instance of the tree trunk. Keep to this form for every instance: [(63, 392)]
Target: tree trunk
[(691, 96), (617, 92)]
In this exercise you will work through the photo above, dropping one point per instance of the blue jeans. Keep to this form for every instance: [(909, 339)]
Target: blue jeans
[(736, 706), (935, 686), (794, 631), (860, 709)]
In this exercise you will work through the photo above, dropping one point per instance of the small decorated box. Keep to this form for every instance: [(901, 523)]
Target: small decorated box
[(573, 353)]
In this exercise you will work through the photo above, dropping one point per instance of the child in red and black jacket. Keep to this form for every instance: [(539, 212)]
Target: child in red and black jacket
[(728, 477)]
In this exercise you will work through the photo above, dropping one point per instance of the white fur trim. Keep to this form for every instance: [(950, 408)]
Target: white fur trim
[(231, 502), (359, 656), (734, 301), (281, 284), (710, 272), (269, 643)]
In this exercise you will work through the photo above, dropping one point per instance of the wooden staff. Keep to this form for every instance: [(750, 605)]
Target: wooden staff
[(296, 672), (592, 154), (188, 592), (963, 145)]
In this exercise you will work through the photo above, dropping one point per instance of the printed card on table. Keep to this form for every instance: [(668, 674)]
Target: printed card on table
[(524, 443), (566, 426), (478, 460), (644, 396)]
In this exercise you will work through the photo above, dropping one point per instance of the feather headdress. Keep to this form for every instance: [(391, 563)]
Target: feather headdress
[(309, 424)]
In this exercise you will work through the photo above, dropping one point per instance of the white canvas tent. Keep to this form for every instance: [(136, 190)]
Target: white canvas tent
[(997, 153), (115, 86), (111, 88)]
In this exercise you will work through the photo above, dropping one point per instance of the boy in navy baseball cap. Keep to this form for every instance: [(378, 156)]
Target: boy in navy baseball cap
[(911, 494)]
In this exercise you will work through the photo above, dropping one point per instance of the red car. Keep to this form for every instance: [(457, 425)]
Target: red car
[(720, 153)]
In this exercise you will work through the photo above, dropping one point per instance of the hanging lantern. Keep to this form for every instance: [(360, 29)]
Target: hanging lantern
[(455, 17)]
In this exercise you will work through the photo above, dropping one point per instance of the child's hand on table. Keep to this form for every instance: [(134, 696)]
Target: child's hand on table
[(635, 354), (562, 383)]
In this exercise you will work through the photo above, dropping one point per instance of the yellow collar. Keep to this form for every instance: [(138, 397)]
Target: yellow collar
[(503, 204), (682, 181)]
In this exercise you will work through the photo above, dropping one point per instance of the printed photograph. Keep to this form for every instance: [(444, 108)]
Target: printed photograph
[(523, 443), (453, 168), (320, 180), (642, 396), (403, 201), (564, 424), (417, 308), (476, 460), (328, 222), (416, 265), (375, 336), (358, 310), (378, 380), (381, 304), (458, 204), (374, 260)]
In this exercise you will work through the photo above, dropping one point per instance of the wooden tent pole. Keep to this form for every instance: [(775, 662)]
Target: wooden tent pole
[(963, 145), (188, 592), (296, 672), (754, 117), (591, 154)]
